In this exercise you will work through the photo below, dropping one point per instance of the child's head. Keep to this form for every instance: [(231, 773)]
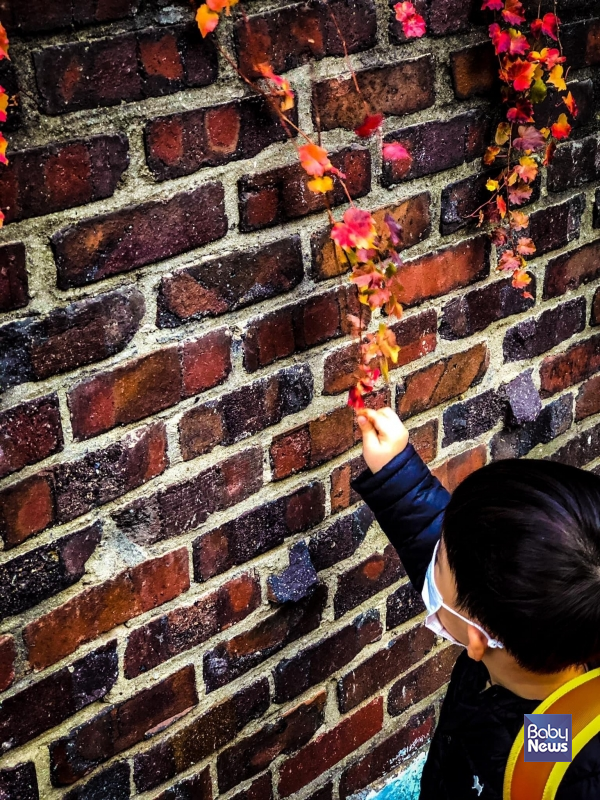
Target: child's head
[(522, 541)]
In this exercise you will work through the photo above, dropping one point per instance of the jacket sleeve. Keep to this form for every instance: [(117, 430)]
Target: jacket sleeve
[(409, 503)]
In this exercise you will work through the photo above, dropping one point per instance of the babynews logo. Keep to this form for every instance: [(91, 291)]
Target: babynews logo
[(548, 737)]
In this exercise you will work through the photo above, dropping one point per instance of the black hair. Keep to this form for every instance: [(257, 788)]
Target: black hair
[(523, 543)]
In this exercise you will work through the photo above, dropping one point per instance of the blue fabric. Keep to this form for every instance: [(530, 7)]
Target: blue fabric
[(405, 786)]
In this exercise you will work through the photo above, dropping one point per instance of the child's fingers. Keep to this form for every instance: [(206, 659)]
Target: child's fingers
[(369, 434), (383, 423)]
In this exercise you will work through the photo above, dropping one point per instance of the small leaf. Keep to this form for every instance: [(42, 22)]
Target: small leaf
[(207, 20), (502, 133), (526, 247), (538, 92), (321, 185), (556, 78), (561, 128), (370, 124), (492, 185), (570, 103)]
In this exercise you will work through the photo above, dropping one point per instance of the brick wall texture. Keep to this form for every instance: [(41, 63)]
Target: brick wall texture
[(193, 602)]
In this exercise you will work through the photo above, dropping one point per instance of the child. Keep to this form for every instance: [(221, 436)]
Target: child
[(509, 568)]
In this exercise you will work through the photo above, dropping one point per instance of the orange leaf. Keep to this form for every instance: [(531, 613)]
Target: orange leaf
[(321, 185), (3, 146), (3, 43), (207, 20), (219, 5), (314, 159), (490, 155), (561, 129), (526, 247), (518, 220), (570, 103)]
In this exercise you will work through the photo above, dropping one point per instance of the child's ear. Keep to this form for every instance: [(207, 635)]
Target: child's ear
[(477, 643)]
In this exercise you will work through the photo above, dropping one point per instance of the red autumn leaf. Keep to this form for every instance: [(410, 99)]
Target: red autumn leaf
[(519, 193), (527, 169), (526, 247), (207, 20), (549, 56), (314, 159), (394, 228), (561, 128), (500, 39), (550, 23), (501, 206), (357, 230), (570, 103), (513, 12), (499, 237), (370, 124), (520, 280), (355, 399), (492, 5), (549, 154), (508, 41), (2, 218), (520, 74), (509, 261), (413, 24), (219, 5), (529, 138), (518, 220), (536, 27), (522, 111), (396, 152), (3, 43)]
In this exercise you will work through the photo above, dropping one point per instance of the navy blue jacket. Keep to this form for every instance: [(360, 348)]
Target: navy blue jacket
[(477, 725)]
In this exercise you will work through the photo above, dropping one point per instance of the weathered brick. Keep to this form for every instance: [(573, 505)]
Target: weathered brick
[(588, 399), (574, 164), (232, 658), (554, 419), (28, 579), (404, 604), (20, 782), (342, 493), (123, 240), (366, 579), (282, 194), (121, 726), (81, 333), (260, 789), (293, 35), (184, 506), (454, 470), (8, 654), (112, 782), (436, 146), (442, 17), (556, 226), (324, 793), (229, 282), (581, 449), (330, 747), (576, 364), (384, 757), (523, 398), (315, 664), (182, 143), (536, 335), (126, 67), (395, 90), (341, 539), (595, 317), (413, 215), (296, 581), (47, 703), (100, 608), (370, 676), (205, 735), (198, 787), (14, 286), (572, 269), (441, 381), (188, 626), (29, 433), (580, 41), (474, 71), (149, 384), (416, 336), (473, 417), (23, 16), (26, 508), (422, 681), (62, 175)]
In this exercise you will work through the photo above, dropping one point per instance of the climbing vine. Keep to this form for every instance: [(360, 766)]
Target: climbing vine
[(4, 103)]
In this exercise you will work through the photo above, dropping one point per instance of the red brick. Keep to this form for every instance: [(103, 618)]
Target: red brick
[(371, 675), (33, 16), (441, 381), (121, 726), (291, 36), (588, 399), (126, 67), (123, 240), (14, 288), (286, 734), (282, 194), (229, 282), (453, 471), (26, 508), (330, 748), (424, 440), (182, 143), (412, 214), (582, 42), (342, 494), (62, 175), (8, 655), (189, 626), (576, 364), (20, 782), (29, 433), (206, 734), (416, 336), (422, 681), (397, 89), (572, 269), (101, 608), (474, 71), (366, 579)]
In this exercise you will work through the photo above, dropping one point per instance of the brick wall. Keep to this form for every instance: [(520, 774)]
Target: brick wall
[(193, 603)]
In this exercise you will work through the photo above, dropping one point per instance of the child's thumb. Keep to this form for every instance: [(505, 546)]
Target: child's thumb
[(369, 433)]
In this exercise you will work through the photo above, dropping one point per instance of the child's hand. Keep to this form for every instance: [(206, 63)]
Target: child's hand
[(384, 436)]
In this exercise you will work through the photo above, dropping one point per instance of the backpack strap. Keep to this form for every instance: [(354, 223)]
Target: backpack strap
[(539, 780)]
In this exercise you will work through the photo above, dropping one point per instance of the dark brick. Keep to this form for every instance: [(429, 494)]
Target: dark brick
[(422, 681), (47, 703), (596, 210), (556, 226), (28, 579), (100, 608), (576, 364), (474, 71), (404, 604), (385, 756), (112, 782), (581, 449), (580, 41), (232, 658), (205, 735), (366, 579), (395, 90), (62, 175), (436, 146), (473, 417), (182, 143), (121, 726), (572, 269), (296, 581), (375, 672), (574, 164), (595, 317), (298, 33), (26, 508), (34, 16), (260, 789), (442, 17), (14, 287), (229, 282), (536, 335), (29, 433), (198, 787), (282, 194), (123, 240), (81, 333), (588, 399), (315, 664), (10, 83), (454, 470), (285, 735), (330, 748), (126, 67), (547, 112), (20, 782), (8, 655), (189, 626), (554, 419), (523, 398), (341, 539)]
